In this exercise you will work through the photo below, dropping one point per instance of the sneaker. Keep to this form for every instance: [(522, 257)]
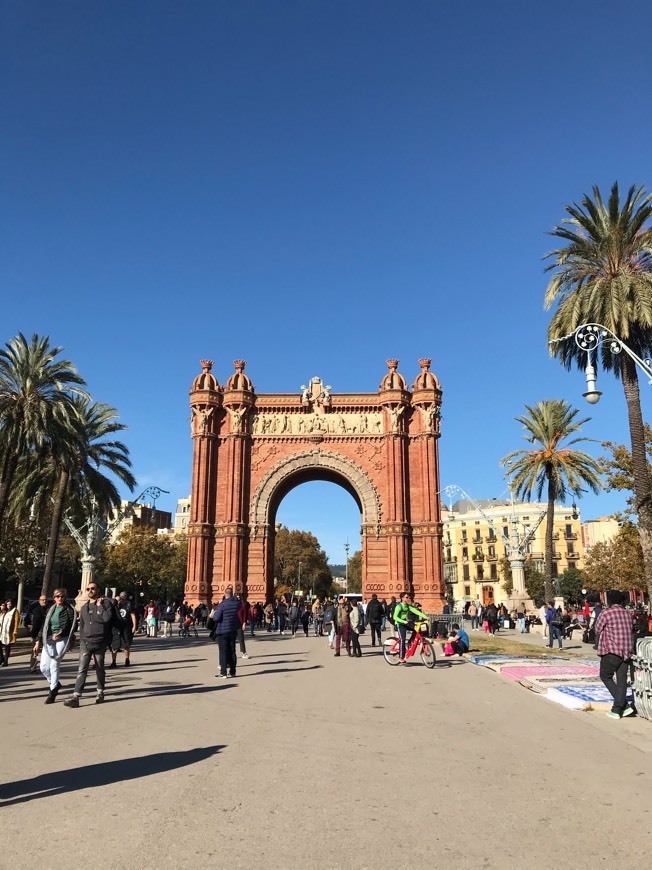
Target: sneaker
[(628, 711), (336, 655), (127, 663), (99, 699), (50, 698), (221, 676), (71, 702), (113, 665), (401, 661), (244, 656), (613, 715)]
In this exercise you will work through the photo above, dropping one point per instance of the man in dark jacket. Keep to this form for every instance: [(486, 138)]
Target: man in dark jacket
[(227, 622), (35, 620), (375, 618), (95, 619)]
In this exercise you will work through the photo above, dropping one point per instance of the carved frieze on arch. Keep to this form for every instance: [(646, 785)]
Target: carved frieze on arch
[(301, 464)]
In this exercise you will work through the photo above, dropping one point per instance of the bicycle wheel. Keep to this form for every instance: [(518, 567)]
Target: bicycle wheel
[(428, 654), (390, 651)]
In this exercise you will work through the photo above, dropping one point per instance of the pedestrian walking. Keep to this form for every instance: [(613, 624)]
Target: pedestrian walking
[(375, 619), (614, 628), (293, 614), (342, 626), (554, 622), (8, 630), (35, 620), (57, 631), (318, 618), (305, 620), (355, 622), (473, 613), (94, 637), (329, 621), (168, 619), (242, 618), (226, 619), (123, 629)]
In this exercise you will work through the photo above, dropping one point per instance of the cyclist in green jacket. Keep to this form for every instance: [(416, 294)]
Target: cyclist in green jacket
[(404, 616)]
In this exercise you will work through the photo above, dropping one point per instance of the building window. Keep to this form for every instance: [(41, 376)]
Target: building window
[(465, 552), (464, 535), (478, 536), (569, 530), (492, 550), (570, 549), (493, 571), (506, 531), (467, 591), (480, 573), (448, 555), (478, 551), (554, 569), (465, 572)]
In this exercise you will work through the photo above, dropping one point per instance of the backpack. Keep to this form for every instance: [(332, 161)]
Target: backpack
[(329, 614)]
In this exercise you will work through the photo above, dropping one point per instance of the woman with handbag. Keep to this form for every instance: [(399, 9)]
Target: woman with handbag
[(58, 629)]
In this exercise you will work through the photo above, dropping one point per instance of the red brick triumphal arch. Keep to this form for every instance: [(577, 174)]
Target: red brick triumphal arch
[(250, 450)]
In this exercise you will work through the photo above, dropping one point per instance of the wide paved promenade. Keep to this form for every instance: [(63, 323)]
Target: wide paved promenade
[(310, 761)]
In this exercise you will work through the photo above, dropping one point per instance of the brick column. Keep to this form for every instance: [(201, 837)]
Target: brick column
[(205, 402)]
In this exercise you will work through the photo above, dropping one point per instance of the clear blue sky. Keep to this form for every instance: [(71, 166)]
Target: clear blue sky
[(314, 187)]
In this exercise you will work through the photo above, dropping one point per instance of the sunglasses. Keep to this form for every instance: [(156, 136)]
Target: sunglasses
[(59, 596), (91, 589)]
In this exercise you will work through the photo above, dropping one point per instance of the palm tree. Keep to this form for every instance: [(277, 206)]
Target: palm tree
[(603, 274), (73, 475), (81, 467), (553, 463), (35, 410)]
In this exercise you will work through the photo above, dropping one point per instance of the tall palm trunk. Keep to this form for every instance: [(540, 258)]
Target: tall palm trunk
[(6, 479), (55, 528), (642, 486), (550, 524)]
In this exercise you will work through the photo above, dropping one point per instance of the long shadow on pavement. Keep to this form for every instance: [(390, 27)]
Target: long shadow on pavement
[(279, 671), (97, 775)]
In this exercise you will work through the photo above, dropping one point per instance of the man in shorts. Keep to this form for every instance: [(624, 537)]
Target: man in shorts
[(123, 629)]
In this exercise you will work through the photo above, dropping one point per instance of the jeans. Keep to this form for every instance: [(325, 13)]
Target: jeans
[(475, 622), (555, 633), (383, 624), (459, 647), (281, 624), (319, 627), (521, 624), (251, 629), (241, 641), (49, 664), (294, 625), (375, 630), (612, 665), (344, 632), (355, 644), (86, 652), (330, 630), (402, 638), (226, 644)]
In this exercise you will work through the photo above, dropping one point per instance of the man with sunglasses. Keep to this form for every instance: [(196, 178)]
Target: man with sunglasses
[(94, 634)]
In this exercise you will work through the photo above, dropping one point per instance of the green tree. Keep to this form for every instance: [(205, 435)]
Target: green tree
[(603, 274), (355, 572), (618, 469), (294, 547), (145, 561), (617, 564), (35, 405), (570, 585), (553, 464), (534, 580)]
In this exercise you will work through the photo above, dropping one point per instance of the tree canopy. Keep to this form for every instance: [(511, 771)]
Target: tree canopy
[(146, 562), (292, 548)]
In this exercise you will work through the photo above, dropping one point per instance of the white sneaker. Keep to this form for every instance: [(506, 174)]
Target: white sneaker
[(244, 656)]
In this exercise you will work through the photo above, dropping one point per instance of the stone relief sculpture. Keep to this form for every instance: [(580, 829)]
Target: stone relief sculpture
[(237, 417), (366, 423), (396, 414), (199, 419), (430, 417)]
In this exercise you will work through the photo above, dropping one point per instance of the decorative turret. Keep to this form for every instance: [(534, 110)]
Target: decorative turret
[(426, 395), (206, 380), (239, 397), (239, 380), (393, 380)]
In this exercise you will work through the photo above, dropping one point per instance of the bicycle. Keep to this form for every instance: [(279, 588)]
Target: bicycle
[(419, 642)]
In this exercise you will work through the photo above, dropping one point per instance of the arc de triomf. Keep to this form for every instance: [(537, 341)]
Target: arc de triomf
[(250, 450)]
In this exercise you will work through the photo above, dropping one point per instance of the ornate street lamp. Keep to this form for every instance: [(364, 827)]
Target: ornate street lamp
[(588, 337)]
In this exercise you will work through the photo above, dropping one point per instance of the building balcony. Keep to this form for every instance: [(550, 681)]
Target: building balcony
[(572, 557), (556, 555), (538, 556), (571, 537), (493, 558), (477, 557)]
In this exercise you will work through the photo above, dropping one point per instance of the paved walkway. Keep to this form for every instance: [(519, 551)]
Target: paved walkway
[(308, 761)]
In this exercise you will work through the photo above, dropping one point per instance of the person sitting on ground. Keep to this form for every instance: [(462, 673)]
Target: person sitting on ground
[(458, 642)]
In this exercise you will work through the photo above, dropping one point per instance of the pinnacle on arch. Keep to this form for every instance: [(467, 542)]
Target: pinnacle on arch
[(239, 380), (425, 380), (206, 380), (393, 380)]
